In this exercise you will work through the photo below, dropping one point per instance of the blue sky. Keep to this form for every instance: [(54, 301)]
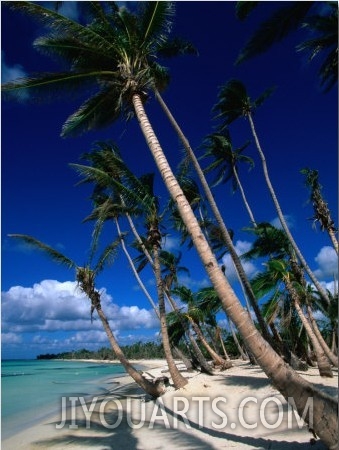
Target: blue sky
[(42, 311)]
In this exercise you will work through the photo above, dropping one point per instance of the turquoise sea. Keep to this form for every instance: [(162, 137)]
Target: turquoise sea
[(31, 390)]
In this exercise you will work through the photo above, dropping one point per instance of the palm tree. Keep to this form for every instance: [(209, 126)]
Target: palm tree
[(322, 213), (109, 172), (225, 162), (154, 239), (331, 313), (194, 315), (120, 59), (277, 270), (114, 182), (85, 277), (274, 243), (322, 25), (225, 233), (234, 102)]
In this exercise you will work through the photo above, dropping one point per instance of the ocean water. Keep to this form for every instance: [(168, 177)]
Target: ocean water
[(31, 390)]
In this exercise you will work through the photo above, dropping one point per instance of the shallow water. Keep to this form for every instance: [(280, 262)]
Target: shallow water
[(32, 389)]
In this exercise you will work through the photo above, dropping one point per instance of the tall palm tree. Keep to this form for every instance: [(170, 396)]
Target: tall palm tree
[(194, 315), (154, 239), (120, 59), (322, 213), (110, 173), (85, 277), (113, 182), (233, 103), (225, 233), (225, 163), (273, 243), (276, 271), (319, 19)]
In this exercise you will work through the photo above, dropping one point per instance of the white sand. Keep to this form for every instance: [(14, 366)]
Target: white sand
[(210, 406)]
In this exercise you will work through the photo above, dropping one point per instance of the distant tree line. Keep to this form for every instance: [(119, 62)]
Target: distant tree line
[(138, 350)]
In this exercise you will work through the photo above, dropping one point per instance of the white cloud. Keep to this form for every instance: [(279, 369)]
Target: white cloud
[(9, 73), (288, 219), (327, 260), (193, 284), (10, 338), (170, 243), (241, 247), (52, 306)]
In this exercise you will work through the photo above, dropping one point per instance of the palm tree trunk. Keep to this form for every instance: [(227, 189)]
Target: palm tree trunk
[(226, 236), (281, 216), (322, 360), (196, 350), (154, 390), (178, 380), (247, 206), (331, 356), (243, 355), (216, 358), (333, 238), (141, 284), (289, 383)]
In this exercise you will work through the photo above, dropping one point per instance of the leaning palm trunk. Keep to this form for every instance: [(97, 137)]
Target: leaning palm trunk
[(178, 380), (242, 192), (322, 360), (218, 360), (281, 216), (223, 345), (225, 234), (243, 355), (292, 386), (331, 356), (135, 273), (154, 390), (196, 350)]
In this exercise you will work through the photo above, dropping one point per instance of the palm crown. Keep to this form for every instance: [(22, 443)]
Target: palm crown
[(114, 56)]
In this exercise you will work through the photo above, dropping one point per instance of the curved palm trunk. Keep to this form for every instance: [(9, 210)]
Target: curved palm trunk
[(141, 284), (281, 216), (139, 240), (170, 300), (196, 350), (242, 192), (226, 236), (331, 356), (322, 360), (154, 390), (243, 355), (333, 238), (216, 358), (178, 380), (222, 344), (291, 385)]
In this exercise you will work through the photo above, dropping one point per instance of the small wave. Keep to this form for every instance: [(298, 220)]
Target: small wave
[(15, 374)]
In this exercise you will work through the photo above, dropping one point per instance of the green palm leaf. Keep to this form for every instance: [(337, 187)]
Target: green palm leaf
[(51, 252), (278, 26)]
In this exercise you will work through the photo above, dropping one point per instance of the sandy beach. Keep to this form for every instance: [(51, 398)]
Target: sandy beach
[(237, 409)]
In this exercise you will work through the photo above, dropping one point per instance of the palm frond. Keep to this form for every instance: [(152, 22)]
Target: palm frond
[(108, 255), (156, 22), (51, 252), (244, 8), (274, 29), (98, 111), (40, 88), (61, 24)]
